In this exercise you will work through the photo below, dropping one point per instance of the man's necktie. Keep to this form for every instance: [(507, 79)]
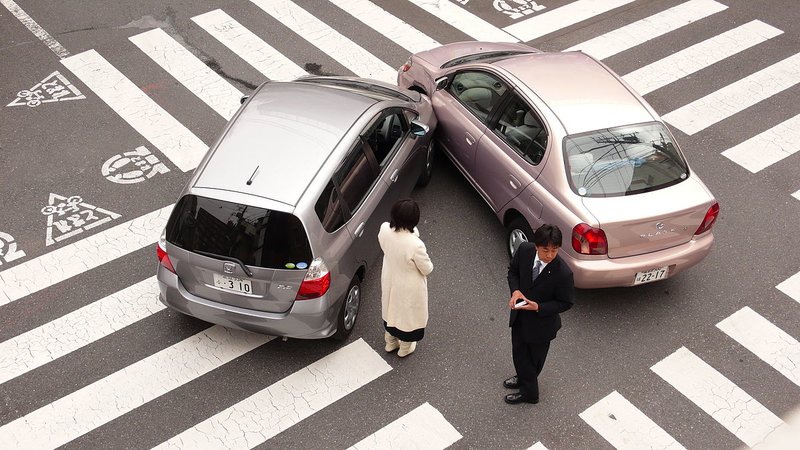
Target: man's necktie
[(536, 268)]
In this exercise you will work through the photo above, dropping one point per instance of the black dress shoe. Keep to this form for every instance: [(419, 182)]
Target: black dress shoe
[(511, 383), (517, 398)]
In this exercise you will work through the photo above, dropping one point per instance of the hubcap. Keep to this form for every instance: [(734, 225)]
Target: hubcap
[(515, 238), (351, 307)]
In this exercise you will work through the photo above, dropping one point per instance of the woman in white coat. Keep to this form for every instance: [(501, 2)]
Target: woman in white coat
[(404, 283)]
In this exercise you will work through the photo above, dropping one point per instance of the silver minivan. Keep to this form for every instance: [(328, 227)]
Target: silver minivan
[(277, 227)]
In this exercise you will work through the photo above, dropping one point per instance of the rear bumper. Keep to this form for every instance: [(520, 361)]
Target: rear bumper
[(602, 273), (306, 319)]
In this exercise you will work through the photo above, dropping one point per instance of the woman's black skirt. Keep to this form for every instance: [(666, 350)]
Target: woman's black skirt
[(407, 336)]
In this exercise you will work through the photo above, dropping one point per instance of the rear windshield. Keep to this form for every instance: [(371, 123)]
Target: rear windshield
[(484, 57), (256, 236), (623, 161)]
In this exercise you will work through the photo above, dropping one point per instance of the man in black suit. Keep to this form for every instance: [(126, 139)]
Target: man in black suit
[(542, 287)]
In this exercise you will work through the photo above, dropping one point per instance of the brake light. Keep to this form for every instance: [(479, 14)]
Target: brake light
[(588, 240), (161, 252), (316, 282), (709, 220), (407, 66)]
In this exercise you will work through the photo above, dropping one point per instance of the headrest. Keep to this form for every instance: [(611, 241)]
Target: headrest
[(530, 121), (480, 95)]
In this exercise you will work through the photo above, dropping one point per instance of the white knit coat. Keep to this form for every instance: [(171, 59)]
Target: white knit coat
[(404, 283)]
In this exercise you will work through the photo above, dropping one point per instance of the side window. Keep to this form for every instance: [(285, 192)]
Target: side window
[(329, 208), (355, 178), (385, 135), (520, 126), (480, 92)]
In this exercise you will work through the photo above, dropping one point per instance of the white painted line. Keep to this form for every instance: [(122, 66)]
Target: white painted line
[(624, 426), (649, 28), (387, 24), (699, 56), (736, 97), (206, 84), (718, 396), (796, 195), (340, 48), (80, 256), (248, 46), (168, 135), (77, 329), (791, 287), (268, 412), (773, 345), (84, 410), (464, 21), (767, 148), (424, 427), (34, 27), (562, 17), (537, 446)]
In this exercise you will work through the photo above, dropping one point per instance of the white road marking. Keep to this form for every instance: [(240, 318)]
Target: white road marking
[(791, 287), (206, 84), (82, 411), (168, 135), (266, 413), (340, 48), (80, 256), (562, 17), (537, 446), (624, 426), (773, 345), (699, 56), (649, 28), (424, 427), (388, 25), (34, 27), (248, 46), (736, 97), (718, 396), (464, 21), (796, 195), (77, 329), (767, 148)]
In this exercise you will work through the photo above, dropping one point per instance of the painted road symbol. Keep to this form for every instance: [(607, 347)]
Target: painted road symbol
[(8, 249), (522, 8), (71, 216), (133, 167), (54, 88)]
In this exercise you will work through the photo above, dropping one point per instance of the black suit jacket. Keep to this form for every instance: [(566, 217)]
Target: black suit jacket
[(553, 290)]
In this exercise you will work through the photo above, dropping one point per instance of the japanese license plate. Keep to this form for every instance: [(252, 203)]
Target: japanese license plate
[(651, 275), (233, 284)]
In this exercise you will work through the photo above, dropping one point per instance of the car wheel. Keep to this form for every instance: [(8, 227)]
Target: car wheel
[(427, 170), (348, 313), (517, 232)]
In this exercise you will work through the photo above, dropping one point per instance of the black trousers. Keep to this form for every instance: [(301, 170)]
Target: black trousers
[(529, 360)]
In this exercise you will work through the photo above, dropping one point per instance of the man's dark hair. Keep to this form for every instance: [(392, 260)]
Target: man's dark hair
[(547, 235), (405, 215)]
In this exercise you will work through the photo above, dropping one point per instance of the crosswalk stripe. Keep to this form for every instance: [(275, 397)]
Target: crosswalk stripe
[(169, 136), (768, 147), (424, 427), (537, 446), (796, 195), (268, 412), (251, 48), (561, 17), (73, 259), (624, 426), (791, 287), (387, 24), (773, 345), (718, 396), (330, 41), (738, 96), (78, 413), (649, 28), (77, 329), (703, 54), (206, 84), (464, 21)]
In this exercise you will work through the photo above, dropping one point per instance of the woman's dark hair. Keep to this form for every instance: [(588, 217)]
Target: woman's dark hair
[(547, 235), (405, 215)]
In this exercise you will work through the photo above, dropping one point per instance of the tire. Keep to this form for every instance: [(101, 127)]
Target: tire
[(427, 169), (348, 312), (517, 231)]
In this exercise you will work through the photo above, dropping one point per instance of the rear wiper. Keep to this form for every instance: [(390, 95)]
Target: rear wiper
[(227, 258)]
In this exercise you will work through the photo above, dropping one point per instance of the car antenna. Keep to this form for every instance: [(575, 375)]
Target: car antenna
[(250, 181)]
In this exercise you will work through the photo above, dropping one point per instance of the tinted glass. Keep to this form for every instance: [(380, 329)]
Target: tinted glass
[(623, 161), (483, 57), (478, 91), (258, 237), (385, 135), (329, 209), (355, 178), (522, 129)]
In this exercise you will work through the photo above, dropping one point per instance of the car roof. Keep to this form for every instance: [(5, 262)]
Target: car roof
[(281, 138), (582, 92)]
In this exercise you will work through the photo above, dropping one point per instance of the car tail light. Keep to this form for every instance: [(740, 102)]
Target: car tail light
[(316, 282), (709, 219), (161, 252), (588, 240), (405, 67)]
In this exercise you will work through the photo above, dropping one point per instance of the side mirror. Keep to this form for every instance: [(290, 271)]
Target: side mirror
[(243, 99), (441, 83), (418, 128)]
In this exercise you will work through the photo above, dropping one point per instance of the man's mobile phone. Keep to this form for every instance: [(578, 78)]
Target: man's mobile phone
[(520, 302)]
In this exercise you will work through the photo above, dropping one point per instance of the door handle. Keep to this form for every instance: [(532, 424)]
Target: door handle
[(394, 175), (360, 230), (470, 139), (513, 182)]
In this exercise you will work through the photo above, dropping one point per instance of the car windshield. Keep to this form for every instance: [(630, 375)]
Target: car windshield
[(623, 161)]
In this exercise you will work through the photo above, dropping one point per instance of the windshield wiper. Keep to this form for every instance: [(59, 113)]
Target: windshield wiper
[(227, 258)]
